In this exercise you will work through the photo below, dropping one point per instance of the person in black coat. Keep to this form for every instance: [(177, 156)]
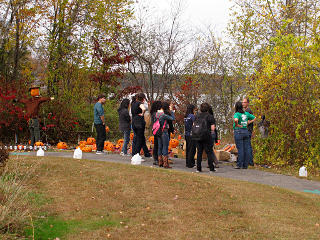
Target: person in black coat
[(125, 124)]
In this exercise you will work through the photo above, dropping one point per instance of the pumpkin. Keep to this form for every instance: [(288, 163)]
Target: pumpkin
[(38, 144), (91, 141), (94, 147), (83, 143), (35, 92), (107, 129), (151, 139), (179, 137), (87, 149), (29, 142), (62, 145), (20, 147), (131, 136), (174, 143), (108, 146), (81, 146), (171, 135), (120, 141)]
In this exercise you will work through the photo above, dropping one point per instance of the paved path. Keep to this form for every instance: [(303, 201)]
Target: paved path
[(227, 171)]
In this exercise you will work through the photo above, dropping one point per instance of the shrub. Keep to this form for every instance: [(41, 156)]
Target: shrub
[(4, 156)]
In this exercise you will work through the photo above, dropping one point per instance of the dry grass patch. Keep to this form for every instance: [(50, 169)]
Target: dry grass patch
[(149, 203)]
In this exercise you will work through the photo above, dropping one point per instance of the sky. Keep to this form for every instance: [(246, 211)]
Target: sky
[(197, 14)]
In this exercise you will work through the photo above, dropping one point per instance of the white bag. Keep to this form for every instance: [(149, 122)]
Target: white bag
[(136, 159), (40, 152), (77, 154), (303, 172)]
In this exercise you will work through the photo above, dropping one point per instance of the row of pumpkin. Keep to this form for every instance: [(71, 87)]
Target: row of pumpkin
[(90, 144)]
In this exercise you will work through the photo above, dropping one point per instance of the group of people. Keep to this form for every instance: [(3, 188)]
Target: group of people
[(200, 130)]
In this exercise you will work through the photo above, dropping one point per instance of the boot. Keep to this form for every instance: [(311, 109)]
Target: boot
[(166, 162), (160, 161)]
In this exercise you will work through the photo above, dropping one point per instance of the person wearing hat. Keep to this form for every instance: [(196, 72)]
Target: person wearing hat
[(32, 106)]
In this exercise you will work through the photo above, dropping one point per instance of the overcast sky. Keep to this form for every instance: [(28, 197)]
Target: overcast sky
[(197, 13)]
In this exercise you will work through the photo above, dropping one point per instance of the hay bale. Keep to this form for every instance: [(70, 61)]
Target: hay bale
[(223, 155)]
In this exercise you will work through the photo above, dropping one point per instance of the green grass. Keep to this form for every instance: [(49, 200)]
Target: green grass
[(51, 227)]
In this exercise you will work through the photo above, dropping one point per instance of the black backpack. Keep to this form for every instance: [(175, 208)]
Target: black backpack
[(199, 129)]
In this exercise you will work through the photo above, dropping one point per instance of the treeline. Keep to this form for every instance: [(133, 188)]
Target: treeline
[(76, 49)]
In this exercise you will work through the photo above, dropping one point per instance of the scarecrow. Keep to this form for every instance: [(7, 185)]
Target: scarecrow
[(32, 106)]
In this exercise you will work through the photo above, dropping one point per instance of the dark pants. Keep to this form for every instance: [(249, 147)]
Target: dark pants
[(101, 136), (144, 144), (242, 139), (251, 163), (34, 129), (155, 149), (190, 151), (163, 144), (126, 135), (205, 145), (140, 140)]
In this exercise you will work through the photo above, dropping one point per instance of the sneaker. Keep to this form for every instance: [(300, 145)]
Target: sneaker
[(237, 167), (197, 171), (212, 171), (99, 152)]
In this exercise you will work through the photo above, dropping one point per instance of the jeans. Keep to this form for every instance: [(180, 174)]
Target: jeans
[(242, 139), (205, 145), (34, 130), (163, 144), (190, 151), (101, 136), (126, 137), (155, 148)]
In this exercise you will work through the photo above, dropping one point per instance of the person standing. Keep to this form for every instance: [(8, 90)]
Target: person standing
[(125, 124), (245, 105), (99, 123), (214, 137), (202, 127), (32, 106), (156, 105), (242, 135), (163, 136), (138, 124), (190, 144)]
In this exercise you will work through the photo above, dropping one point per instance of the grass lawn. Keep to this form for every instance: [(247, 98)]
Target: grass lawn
[(80, 199)]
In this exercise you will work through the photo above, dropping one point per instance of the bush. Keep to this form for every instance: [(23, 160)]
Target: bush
[(4, 156)]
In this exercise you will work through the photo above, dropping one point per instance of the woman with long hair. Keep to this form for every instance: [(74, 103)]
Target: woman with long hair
[(125, 124), (241, 119), (190, 144), (164, 114), (156, 105)]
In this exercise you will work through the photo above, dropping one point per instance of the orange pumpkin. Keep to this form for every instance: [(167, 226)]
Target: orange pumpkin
[(174, 143), (62, 145), (179, 137), (83, 143), (87, 149), (108, 146), (35, 92), (29, 142), (94, 147), (151, 139), (171, 135), (20, 147), (120, 141), (91, 141), (38, 144), (107, 129), (131, 136)]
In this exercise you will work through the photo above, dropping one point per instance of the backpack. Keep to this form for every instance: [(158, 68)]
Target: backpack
[(157, 129), (199, 130)]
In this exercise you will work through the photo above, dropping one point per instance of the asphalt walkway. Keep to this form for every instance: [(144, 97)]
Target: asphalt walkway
[(225, 170)]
